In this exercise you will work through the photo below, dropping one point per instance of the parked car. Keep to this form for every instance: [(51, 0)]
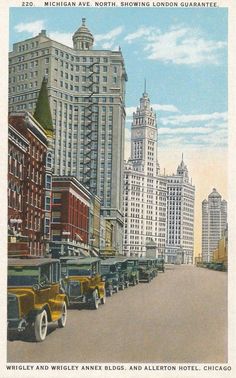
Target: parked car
[(121, 262), (160, 264), (153, 266), (35, 296), (83, 282), (145, 269), (133, 271), (110, 272), (219, 266)]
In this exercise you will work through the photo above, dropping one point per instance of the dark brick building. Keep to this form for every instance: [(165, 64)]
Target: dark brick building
[(30, 179), (32, 182), (70, 217)]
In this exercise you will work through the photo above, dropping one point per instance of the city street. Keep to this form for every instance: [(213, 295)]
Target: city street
[(181, 316)]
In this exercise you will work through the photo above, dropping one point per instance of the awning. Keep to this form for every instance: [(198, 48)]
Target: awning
[(84, 253), (95, 252)]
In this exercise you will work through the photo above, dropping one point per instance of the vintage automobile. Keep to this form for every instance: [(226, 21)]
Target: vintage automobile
[(110, 272), (145, 269), (35, 296), (153, 266), (160, 264), (122, 265), (133, 271), (83, 282)]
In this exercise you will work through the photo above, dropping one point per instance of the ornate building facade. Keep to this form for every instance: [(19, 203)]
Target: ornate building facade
[(144, 188), (87, 99), (180, 217), (214, 223)]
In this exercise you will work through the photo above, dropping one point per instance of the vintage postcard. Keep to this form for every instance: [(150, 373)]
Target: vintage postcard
[(118, 186)]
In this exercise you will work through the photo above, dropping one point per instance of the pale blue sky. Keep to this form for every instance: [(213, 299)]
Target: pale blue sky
[(182, 53)]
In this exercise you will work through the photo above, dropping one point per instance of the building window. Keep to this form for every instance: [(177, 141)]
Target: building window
[(56, 197), (56, 235), (56, 216), (47, 203), (48, 182)]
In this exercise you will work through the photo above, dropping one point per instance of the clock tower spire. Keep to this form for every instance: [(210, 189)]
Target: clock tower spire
[(144, 137)]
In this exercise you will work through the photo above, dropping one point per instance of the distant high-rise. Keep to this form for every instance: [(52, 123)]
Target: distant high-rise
[(180, 217), (87, 93), (144, 188), (214, 222)]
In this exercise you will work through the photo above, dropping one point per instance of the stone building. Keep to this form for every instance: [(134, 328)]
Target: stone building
[(87, 99), (144, 187), (180, 217), (214, 223)]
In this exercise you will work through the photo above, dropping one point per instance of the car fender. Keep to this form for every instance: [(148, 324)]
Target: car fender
[(33, 313)]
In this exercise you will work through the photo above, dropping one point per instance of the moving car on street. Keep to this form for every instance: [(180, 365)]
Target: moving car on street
[(35, 296), (83, 282)]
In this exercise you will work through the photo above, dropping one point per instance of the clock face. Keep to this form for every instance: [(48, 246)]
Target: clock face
[(138, 133), (151, 133)]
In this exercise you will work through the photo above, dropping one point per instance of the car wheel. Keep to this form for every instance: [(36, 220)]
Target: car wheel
[(62, 321), (95, 301), (41, 326), (103, 299)]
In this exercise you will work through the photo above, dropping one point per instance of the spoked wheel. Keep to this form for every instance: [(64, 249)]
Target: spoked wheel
[(95, 301), (41, 326), (62, 321)]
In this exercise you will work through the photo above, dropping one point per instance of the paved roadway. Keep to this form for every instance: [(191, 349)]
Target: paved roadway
[(181, 316)]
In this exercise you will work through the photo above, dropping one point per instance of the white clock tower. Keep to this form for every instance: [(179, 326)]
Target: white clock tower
[(144, 188), (144, 138)]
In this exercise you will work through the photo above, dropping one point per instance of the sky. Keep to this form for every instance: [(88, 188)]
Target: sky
[(182, 54)]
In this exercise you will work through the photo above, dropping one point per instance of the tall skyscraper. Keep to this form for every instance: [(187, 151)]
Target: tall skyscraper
[(87, 93), (144, 188), (214, 222), (180, 217)]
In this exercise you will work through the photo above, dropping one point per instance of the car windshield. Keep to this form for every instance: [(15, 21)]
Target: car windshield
[(143, 263), (105, 269), (80, 270), (23, 276), (130, 263)]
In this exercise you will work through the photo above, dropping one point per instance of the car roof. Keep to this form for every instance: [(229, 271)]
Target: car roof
[(30, 262), (86, 260), (110, 261), (133, 258), (120, 258)]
